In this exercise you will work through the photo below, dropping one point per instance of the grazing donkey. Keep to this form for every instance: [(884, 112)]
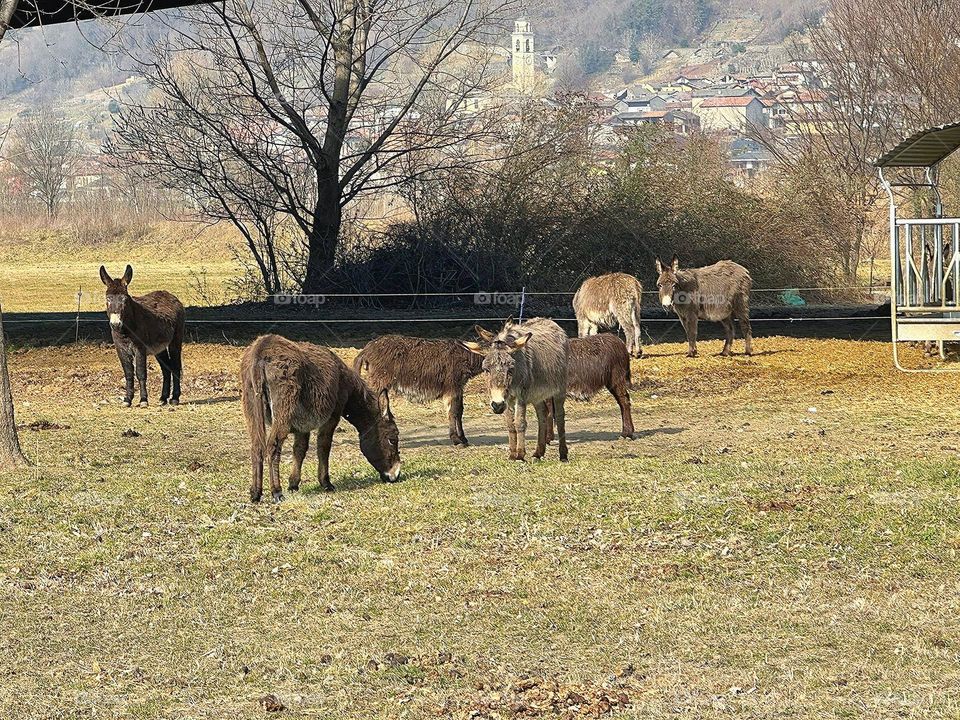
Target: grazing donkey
[(298, 388), (150, 324), (421, 370), (718, 292), (526, 363), (606, 301), (597, 362)]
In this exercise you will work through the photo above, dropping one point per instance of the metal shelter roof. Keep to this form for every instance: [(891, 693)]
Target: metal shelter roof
[(924, 148), (50, 12)]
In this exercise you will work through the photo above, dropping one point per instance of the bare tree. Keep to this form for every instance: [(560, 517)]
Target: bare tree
[(299, 107), (832, 135), (45, 152), (11, 455)]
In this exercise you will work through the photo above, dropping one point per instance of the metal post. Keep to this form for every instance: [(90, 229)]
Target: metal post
[(76, 338), (523, 298)]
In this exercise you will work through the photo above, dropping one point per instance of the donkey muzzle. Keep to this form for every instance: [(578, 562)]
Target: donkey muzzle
[(392, 475), (498, 407)]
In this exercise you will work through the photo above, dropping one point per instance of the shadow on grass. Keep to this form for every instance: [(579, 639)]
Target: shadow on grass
[(501, 440), (347, 483), (213, 400)]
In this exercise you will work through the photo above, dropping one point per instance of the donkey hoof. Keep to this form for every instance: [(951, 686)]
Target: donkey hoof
[(163, 401), (174, 401), (627, 436), (254, 496), (460, 442), (277, 497), (144, 403), (127, 403)]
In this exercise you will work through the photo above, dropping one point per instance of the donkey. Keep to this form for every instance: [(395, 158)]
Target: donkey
[(526, 363), (149, 324), (605, 301), (298, 388), (597, 362), (718, 292), (421, 370)]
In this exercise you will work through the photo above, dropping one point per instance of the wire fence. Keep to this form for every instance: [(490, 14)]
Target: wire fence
[(76, 315)]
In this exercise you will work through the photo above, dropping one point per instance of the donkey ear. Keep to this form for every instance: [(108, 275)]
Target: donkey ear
[(675, 263), (128, 275), (474, 347), (484, 334), (104, 275), (659, 267), (509, 321), (383, 400), (518, 343)]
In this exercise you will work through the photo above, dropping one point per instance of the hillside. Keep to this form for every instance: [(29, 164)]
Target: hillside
[(62, 67)]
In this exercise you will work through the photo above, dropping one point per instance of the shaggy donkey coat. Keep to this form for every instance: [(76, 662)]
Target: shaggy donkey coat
[(605, 301), (299, 387), (421, 370), (150, 324), (597, 362), (526, 364), (718, 292)]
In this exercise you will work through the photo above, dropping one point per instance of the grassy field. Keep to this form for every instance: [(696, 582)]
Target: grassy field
[(780, 541), (44, 270)]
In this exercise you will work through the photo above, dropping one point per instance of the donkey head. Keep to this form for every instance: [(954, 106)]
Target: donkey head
[(117, 295), (499, 362), (667, 281), (380, 443)]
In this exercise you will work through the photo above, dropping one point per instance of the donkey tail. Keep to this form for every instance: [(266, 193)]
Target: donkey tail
[(360, 363), (256, 402)]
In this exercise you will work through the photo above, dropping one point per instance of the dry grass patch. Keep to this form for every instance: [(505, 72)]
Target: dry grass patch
[(747, 555)]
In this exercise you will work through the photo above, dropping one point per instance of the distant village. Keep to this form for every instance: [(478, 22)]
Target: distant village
[(724, 87)]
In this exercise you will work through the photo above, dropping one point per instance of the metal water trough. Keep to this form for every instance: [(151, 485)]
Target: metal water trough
[(924, 252)]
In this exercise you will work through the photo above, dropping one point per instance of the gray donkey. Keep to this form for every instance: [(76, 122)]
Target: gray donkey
[(526, 363), (718, 292), (605, 301)]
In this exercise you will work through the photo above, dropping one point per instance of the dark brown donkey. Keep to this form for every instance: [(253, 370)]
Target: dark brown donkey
[(421, 370), (718, 292), (597, 362), (150, 324), (298, 388)]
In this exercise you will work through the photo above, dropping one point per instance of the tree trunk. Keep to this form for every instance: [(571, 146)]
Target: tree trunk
[(7, 8), (322, 243), (11, 456)]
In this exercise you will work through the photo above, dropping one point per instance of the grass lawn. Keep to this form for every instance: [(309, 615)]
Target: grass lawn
[(43, 271), (780, 541)]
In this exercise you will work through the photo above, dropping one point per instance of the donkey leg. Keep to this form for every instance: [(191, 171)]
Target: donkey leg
[(549, 405), (747, 332), (543, 424), (140, 362), (176, 368), (454, 405), (126, 362), (511, 433), (628, 333), (324, 443), (301, 443), (691, 328), (520, 424), (163, 359), (560, 418), (622, 396), (637, 335), (275, 438), (728, 333), (256, 483)]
